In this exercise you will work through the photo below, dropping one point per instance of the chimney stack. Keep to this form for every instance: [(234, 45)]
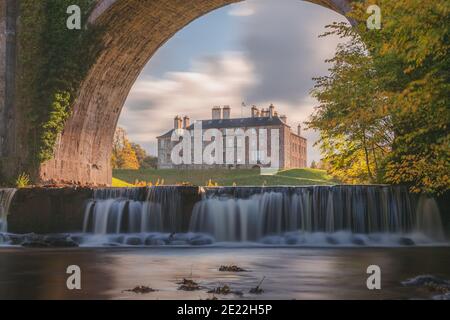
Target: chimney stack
[(177, 122), (226, 112), (299, 129), (217, 113), (271, 110), (255, 112), (186, 122)]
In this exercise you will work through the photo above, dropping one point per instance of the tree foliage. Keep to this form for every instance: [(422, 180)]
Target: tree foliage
[(129, 155), (356, 130), (123, 155), (145, 161), (384, 109)]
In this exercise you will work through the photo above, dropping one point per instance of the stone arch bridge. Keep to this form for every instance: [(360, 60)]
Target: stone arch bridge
[(133, 32)]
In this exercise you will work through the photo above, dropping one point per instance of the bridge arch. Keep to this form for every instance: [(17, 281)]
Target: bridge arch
[(133, 32)]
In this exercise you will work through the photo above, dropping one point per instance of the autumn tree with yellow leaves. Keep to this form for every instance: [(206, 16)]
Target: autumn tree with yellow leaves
[(383, 111), (123, 155)]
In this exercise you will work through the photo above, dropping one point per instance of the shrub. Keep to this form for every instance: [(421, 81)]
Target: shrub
[(23, 180)]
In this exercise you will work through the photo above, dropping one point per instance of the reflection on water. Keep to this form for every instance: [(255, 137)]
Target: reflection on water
[(42, 274), (290, 273)]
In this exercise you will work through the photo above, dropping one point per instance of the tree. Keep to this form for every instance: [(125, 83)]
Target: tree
[(150, 162), (145, 161), (140, 152), (123, 155), (130, 155), (356, 131), (407, 76), (420, 100), (313, 165), (128, 158)]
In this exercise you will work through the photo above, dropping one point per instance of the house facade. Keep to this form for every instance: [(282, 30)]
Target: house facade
[(290, 145)]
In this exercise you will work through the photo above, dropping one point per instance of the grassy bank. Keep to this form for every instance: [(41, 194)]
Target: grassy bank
[(223, 177)]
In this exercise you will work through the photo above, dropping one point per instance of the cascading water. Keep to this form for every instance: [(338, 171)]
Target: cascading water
[(314, 215), (134, 216), (134, 210), (319, 215), (6, 196), (429, 218)]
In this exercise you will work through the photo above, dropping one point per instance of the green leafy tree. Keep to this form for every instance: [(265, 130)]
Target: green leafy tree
[(150, 162), (407, 65), (356, 130), (420, 102), (145, 161)]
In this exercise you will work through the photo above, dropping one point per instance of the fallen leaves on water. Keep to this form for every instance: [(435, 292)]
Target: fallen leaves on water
[(231, 268), (225, 289), (141, 290), (257, 289), (188, 285)]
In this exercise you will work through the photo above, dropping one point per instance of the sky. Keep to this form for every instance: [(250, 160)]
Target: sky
[(258, 52)]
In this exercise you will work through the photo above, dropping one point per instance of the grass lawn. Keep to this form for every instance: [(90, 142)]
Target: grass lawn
[(224, 177)]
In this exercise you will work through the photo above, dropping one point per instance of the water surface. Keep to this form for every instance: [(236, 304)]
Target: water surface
[(291, 273)]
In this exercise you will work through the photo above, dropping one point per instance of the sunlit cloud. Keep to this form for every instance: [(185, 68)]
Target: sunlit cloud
[(242, 9), (154, 102), (271, 57)]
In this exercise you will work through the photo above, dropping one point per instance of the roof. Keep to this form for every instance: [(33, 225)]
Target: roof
[(234, 123)]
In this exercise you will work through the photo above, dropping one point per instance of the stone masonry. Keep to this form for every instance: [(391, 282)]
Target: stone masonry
[(8, 108), (133, 31)]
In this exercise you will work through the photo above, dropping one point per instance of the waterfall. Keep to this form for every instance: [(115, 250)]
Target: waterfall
[(429, 218), (134, 210), (312, 215), (249, 214), (6, 196)]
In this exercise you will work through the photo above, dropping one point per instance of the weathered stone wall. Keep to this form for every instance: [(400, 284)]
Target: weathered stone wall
[(2, 67), (133, 31), (298, 154), (62, 210), (285, 137), (8, 135), (43, 210)]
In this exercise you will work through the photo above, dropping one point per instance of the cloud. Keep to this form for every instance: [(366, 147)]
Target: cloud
[(214, 80), (241, 10), (276, 54), (281, 40)]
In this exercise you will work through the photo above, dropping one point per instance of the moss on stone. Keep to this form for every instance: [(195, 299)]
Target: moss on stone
[(54, 61)]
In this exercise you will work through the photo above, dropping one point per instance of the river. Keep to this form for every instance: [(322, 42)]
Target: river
[(290, 273)]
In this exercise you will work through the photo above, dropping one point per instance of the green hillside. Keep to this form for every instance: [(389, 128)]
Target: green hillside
[(223, 177)]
